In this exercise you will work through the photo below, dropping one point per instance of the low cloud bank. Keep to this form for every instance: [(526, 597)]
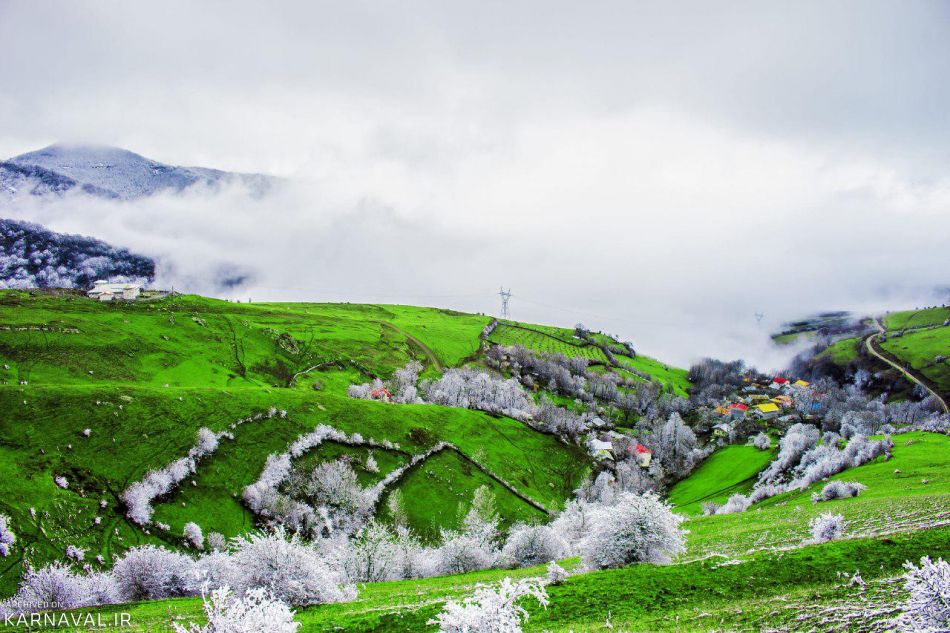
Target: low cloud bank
[(640, 229)]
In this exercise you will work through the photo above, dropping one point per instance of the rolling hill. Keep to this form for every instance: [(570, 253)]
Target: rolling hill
[(143, 377), (93, 396)]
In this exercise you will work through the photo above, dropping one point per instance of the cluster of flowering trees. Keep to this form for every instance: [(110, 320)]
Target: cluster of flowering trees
[(626, 529), (806, 456), (324, 501), (32, 256), (292, 571), (139, 496)]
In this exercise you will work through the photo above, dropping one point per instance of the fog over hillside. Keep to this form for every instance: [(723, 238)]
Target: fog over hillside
[(438, 151)]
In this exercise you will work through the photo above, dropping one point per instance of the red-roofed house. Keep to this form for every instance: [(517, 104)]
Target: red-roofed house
[(643, 455), (738, 410), (779, 383)]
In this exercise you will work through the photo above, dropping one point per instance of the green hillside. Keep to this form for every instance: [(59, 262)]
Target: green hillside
[(749, 571), (919, 340), (143, 377), (727, 471)]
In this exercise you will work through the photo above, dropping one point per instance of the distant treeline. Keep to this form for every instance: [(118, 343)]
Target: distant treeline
[(32, 256)]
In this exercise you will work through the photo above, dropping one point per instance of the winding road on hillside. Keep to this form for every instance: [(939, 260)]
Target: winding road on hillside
[(869, 344)]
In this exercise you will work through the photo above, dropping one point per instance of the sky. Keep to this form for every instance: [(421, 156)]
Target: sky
[(658, 170)]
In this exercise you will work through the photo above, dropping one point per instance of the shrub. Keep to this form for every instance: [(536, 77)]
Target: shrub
[(256, 612), (216, 570), (372, 555), (556, 574), (491, 610), (151, 573), (710, 507), (635, 529), (529, 545), (217, 542), (573, 523), (193, 535), (826, 527), (736, 503), (928, 606), (98, 589), (7, 537), (77, 554), (839, 490), (762, 442)]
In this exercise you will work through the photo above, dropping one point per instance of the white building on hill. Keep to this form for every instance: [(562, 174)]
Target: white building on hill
[(106, 291)]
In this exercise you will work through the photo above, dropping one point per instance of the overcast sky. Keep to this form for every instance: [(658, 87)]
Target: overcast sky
[(658, 170)]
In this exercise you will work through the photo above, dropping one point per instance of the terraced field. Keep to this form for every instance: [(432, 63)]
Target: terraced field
[(541, 341)]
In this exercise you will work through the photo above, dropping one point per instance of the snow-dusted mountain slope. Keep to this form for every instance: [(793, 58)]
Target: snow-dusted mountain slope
[(110, 172)]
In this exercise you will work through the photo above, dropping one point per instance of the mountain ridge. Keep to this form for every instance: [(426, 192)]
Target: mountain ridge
[(109, 172)]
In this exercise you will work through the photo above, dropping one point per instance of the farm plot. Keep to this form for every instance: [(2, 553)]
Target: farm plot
[(542, 342)]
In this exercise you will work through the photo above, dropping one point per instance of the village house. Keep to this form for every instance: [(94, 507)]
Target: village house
[(800, 384), (722, 430), (767, 410), (601, 449), (738, 410), (779, 383), (643, 455), (783, 401), (106, 291)]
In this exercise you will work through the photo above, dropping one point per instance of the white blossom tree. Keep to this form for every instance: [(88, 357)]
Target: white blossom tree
[(7, 537), (826, 527), (193, 535), (529, 545), (928, 604), (634, 529), (255, 612), (491, 610)]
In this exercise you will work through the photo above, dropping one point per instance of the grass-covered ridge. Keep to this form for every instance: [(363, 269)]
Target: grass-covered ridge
[(143, 377)]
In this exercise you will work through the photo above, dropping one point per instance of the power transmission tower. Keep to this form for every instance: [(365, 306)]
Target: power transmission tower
[(505, 298), (759, 316)]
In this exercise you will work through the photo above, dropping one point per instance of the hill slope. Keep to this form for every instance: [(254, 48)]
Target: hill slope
[(750, 571), (144, 377)]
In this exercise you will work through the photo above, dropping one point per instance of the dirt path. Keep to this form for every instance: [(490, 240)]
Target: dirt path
[(429, 354), (869, 343)]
